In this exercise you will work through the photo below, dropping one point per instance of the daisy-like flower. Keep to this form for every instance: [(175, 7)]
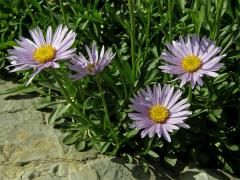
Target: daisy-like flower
[(42, 52), (191, 58), (93, 65), (159, 111)]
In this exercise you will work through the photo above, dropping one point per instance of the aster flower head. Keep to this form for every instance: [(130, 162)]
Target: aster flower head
[(94, 64), (159, 111), (191, 58), (42, 52)]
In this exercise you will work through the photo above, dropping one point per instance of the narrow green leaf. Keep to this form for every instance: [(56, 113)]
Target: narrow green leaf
[(70, 139), (21, 89), (105, 147), (4, 45), (58, 112), (81, 146), (36, 4), (221, 78), (171, 161), (49, 85), (131, 133), (153, 154)]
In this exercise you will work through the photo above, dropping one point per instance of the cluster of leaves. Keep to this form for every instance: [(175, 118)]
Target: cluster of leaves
[(213, 139)]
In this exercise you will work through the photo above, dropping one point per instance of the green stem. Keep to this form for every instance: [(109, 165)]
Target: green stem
[(149, 144), (106, 118), (196, 25), (218, 19), (209, 87), (189, 93), (30, 13), (196, 114), (170, 18), (80, 91), (62, 9), (132, 21), (164, 78), (50, 12), (148, 29), (66, 95), (120, 68), (207, 12), (20, 27)]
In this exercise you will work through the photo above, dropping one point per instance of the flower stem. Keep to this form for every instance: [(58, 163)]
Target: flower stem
[(196, 114), (132, 21), (189, 93), (209, 87), (66, 95), (219, 6), (149, 144), (106, 118), (149, 11), (80, 93), (62, 9), (170, 8), (30, 13)]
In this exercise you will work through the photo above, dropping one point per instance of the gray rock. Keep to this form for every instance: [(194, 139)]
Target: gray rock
[(15, 102)]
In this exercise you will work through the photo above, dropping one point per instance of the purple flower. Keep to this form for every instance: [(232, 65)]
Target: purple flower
[(158, 111), (42, 52), (93, 65), (191, 58)]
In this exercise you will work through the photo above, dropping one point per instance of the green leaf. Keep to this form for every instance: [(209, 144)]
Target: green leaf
[(98, 145), (145, 167), (127, 71), (171, 161), (71, 89), (70, 139), (105, 147), (36, 4), (112, 84), (221, 78), (95, 29), (153, 154), (21, 89), (4, 45), (227, 166), (45, 101), (229, 41), (232, 147), (215, 115), (176, 143), (151, 76), (129, 157), (198, 18), (53, 86), (81, 145), (59, 111), (181, 4), (131, 133)]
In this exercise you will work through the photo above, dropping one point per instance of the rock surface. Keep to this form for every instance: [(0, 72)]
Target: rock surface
[(30, 149)]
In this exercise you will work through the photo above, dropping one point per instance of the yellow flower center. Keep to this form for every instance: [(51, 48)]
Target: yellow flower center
[(191, 63), (158, 113), (90, 67), (44, 53)]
